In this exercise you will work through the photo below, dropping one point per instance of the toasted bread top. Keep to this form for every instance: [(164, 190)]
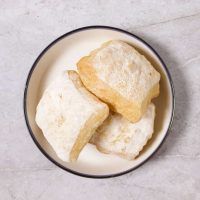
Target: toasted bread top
[(124, 69)]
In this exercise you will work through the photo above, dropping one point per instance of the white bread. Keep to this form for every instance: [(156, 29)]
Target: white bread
[(119, 136), (68, 115), (120, 76)]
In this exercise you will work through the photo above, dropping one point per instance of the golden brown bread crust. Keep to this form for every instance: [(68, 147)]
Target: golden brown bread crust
[(129, 109)]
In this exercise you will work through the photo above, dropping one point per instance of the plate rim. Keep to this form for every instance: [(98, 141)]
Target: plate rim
[(26, 90)]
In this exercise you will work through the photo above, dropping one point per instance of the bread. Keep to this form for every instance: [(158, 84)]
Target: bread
[(119, 136), (68, 115), (120, 76)]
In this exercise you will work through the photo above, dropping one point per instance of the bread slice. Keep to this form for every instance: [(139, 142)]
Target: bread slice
[(120, 76), (119, 136), (68, 115)]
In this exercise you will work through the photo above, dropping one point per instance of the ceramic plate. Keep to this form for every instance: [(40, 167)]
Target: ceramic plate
[(63, 54)]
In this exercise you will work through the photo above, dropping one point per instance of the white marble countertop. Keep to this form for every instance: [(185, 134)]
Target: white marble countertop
[(171, 27)]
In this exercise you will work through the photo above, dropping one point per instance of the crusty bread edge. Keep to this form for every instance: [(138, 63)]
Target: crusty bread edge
[(122, 155), (92, 123), (87, 131)]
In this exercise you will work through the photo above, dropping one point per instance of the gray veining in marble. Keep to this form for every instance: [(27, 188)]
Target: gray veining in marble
[(171, 27)]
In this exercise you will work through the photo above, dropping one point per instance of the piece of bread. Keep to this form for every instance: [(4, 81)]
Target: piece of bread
[(68, 115), (120, 76), (119, 136)]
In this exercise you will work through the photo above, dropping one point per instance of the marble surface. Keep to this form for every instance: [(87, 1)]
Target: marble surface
[(171, 27)]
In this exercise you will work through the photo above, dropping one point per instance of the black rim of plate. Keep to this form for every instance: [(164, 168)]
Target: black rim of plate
[(26, 90)]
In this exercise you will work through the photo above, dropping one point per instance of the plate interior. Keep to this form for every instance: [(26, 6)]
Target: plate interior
[(64, 55)]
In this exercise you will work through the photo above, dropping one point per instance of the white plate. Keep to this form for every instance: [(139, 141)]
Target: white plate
[(63, 54)]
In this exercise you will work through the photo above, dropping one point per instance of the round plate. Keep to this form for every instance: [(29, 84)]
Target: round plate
[(63, 54)]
